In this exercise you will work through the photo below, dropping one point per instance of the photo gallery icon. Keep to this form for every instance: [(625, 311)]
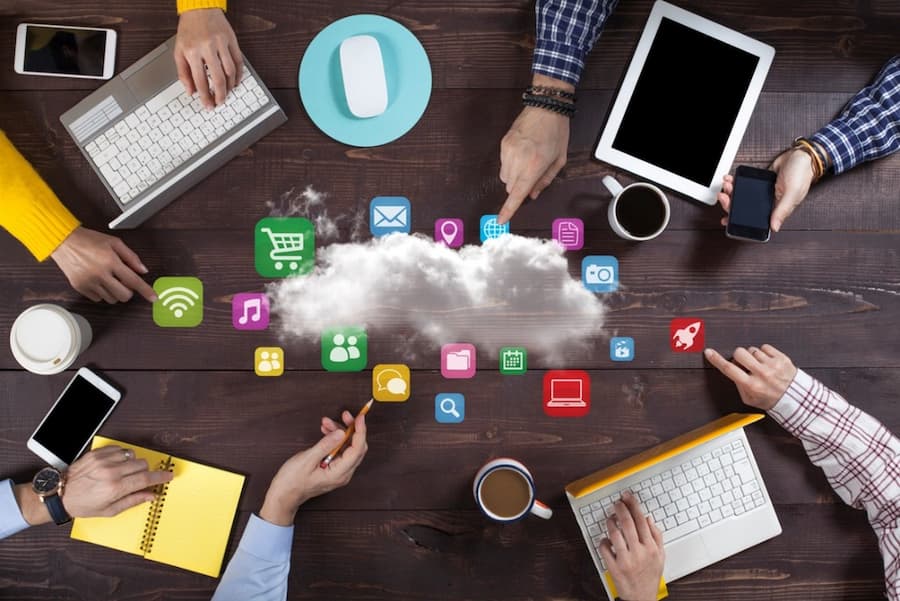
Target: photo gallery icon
[(567, 393), (180, 302)]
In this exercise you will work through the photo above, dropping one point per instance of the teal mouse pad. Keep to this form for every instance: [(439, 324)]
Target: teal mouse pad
[(407, 73)]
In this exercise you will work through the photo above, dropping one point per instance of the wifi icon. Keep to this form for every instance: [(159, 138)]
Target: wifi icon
[(180, 303)]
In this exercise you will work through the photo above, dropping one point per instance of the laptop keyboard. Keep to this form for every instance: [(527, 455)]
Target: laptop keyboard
[(167, 130), (689, 497)]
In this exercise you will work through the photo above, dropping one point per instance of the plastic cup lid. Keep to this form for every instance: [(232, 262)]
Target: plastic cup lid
[(43, 339)]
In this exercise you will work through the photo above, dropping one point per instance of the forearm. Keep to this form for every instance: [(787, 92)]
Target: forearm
[(259, 568), (566, 32), (12, 510), (29, 210), (869, 126), (186, 5)]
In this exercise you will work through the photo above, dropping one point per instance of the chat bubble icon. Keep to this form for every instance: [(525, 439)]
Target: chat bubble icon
[(390, 383)]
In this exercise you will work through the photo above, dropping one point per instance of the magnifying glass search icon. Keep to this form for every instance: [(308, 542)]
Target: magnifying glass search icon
[(448, 406)]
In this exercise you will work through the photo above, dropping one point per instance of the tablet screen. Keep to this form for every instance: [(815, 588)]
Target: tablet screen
[(685, 102)]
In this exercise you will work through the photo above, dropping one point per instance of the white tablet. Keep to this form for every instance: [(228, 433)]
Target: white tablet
[(685, 102)]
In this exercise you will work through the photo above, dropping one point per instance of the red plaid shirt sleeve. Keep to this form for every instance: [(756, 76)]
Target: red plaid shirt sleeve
[(860, 458)]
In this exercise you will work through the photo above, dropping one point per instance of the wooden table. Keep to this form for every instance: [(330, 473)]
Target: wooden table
[(826, 290)]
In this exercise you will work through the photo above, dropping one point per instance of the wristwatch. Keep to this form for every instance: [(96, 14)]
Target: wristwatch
[(48, 484)]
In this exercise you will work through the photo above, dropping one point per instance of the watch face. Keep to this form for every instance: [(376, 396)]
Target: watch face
[(46, 481)]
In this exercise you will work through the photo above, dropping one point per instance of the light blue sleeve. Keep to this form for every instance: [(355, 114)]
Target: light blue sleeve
[(258, 571), (11, 520)]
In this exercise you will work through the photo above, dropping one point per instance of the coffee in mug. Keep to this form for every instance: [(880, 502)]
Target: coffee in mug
[(46, 339), (637, 212), (504, 490)]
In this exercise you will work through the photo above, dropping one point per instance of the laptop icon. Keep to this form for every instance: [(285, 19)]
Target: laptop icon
[(567, 393)]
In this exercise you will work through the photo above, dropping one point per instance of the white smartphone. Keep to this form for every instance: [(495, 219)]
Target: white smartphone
[(73, 420), (65, 51)]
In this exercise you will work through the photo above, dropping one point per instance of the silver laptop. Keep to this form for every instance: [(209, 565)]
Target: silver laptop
[(703, 489), (150, 142)]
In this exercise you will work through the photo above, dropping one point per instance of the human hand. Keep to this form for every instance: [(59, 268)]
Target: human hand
[(206, 44), (532, 152), (107, 481), (301, 478), (795, 176), (636, 565), (771, 372), (102, 267)]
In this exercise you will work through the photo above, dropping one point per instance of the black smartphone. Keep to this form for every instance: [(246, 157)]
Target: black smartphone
[(751, 204)]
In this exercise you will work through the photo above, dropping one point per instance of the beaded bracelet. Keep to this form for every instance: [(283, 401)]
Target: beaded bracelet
[(566, 109), (552, 92)]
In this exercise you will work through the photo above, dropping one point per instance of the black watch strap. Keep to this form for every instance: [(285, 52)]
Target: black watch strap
[(57, 511)]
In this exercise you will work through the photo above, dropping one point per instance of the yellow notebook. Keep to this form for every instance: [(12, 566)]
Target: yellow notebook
[(187, 526)]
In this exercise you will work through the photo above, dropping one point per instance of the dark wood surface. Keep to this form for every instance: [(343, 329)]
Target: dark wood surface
[(827, 291)]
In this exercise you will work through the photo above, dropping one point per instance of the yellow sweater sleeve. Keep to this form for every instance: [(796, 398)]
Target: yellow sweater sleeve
[(186, 5), (29, 210)]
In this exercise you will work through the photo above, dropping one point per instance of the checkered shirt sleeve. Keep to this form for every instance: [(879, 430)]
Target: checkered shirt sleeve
[(566, 32), (860, 458), (869, 126)]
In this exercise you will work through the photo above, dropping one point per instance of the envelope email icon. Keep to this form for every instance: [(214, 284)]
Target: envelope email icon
[(458, 361), (391, 216)]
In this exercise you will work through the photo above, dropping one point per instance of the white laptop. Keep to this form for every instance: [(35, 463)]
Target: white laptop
[(703, 489), (685, 102), (149, 142)]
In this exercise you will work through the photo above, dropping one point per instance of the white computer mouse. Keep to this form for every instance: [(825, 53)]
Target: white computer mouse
[(362, 68)]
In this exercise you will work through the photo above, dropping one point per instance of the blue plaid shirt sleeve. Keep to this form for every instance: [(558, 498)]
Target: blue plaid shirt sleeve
[(566, 32), (869, 126)]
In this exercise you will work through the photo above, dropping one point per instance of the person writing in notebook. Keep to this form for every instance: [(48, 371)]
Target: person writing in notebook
[(860, 457), (260, 565), (868, 128), (102, 483), (535, 149)]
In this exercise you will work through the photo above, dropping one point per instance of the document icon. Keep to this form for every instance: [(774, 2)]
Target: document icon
[(389, 214)]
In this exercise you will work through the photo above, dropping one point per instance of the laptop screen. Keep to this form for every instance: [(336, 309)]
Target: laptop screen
[(565, 390), (685, 102)]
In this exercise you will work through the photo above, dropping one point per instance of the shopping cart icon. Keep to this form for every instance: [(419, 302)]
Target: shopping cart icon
[(285, 247)]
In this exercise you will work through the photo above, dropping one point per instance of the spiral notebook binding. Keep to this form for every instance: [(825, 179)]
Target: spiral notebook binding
[(156, 508)]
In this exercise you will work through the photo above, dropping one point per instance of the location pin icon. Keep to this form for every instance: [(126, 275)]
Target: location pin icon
[(449, 229)]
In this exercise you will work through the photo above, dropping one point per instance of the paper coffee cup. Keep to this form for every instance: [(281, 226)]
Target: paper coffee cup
[(46, 339)]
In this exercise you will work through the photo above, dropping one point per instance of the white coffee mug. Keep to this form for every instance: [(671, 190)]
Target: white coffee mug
[(533, 506), (46, 339), (616, 189)]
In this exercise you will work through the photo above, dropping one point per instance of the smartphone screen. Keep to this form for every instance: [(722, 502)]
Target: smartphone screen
[(74, 419), (64, 51), (751, 204)]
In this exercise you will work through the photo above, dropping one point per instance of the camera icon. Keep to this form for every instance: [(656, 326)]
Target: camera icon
[(600, 273)]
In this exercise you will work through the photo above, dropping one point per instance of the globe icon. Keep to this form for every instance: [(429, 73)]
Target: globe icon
[(492, 229)]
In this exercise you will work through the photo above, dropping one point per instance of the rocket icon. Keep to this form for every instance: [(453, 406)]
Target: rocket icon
[(687, 335)]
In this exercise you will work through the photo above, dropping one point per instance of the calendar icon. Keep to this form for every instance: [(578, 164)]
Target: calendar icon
[(513, 361)]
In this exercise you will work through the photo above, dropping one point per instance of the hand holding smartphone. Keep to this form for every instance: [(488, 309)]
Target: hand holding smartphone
[(751, 204), (56, 51), (70, 425)]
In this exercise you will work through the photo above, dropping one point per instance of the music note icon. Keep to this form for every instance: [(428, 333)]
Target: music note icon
[(250, 311)]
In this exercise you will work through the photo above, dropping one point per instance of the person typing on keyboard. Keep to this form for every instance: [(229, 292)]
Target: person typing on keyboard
[(207, 54), (98, 266)]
